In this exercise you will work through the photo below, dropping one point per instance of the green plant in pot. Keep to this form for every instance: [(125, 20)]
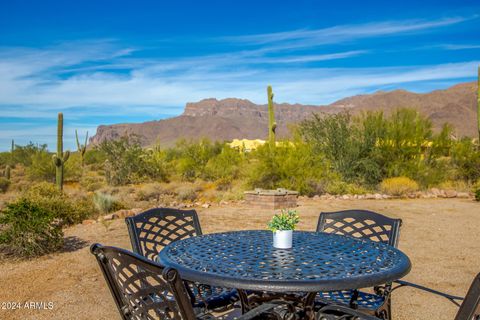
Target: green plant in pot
[(282, 226)]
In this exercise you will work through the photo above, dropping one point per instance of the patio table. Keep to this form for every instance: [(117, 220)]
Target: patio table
[(247, 260)]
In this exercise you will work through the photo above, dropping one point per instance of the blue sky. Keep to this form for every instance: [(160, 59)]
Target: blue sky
[(103, 62)]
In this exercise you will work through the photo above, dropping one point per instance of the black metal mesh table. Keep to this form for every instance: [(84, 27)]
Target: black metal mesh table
[(317, 262)]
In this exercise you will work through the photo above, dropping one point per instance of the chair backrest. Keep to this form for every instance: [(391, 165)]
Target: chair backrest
[(142, 289), (361, 224), (152, 230), (470, 308)]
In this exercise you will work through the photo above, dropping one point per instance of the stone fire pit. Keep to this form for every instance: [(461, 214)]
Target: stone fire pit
[(271, 199)]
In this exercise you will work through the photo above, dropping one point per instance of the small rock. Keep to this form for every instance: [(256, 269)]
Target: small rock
[(223, 202), (316, 197), (108, 217), (205, 205), (450, 194), (463, 195), (369, 196), (411, 195), (377, 196), (198, 204), (88, 221), (182, 205), (435, 191), (385, 196), (345, 197), (361, 197)]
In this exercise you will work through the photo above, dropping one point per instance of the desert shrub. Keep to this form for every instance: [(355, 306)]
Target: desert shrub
[(225, 165), (156, 164), (337, 187), (223, 184), (23, 154), (41, 167), (73, 168), (67, 210), (4, 184), (477, 194), (151, 191), (95, 158), (91, 182), (28, 229), (187, 193), (290, 165), (126, 162), (398, 186), (191, 158), (465, 156), (106, 203)]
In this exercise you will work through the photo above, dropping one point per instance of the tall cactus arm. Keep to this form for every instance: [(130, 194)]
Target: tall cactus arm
[(79, 147)]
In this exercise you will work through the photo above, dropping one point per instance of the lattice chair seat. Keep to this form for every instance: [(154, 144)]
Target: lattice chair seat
[(367, 225), (152, 230), (364, 300)]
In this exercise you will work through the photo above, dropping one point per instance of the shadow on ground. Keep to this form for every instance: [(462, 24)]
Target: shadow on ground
[(73, 243)]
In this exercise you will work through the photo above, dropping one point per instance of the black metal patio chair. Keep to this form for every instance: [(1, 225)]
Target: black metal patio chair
[(144, 290), (153, 229), (469, 309), (369, 225)]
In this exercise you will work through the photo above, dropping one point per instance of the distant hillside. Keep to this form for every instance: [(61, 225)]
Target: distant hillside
[(237, 118)]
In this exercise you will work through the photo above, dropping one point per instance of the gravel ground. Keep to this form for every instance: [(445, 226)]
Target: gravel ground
[(440, 236)]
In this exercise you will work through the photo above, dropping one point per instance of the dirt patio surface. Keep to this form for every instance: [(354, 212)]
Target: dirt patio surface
[(441, 237)]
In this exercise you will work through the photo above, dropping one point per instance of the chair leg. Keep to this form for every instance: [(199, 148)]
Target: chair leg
[(385, 312)]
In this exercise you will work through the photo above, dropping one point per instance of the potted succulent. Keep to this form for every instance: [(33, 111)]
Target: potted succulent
[(282, 226)]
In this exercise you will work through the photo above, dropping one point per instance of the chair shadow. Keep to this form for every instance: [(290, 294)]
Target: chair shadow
[(73, 243)]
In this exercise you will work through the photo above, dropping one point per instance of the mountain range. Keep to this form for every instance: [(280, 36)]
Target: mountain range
[(233, 118)]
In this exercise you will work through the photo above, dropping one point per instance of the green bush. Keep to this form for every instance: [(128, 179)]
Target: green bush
[(4, 184), (91, 182), (69, 211), (477, 194), (289, 165), (126, 160), (42, 167), (29, 229), (191, 158), (225, 165)]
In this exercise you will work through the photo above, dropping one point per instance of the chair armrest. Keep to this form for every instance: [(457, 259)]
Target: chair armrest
[(261, 309), (451, 298), (348, 313)]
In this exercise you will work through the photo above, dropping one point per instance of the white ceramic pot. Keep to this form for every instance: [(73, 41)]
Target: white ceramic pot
[(282, 239)]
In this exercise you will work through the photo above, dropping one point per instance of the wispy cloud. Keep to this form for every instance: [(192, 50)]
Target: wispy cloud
[(343, 33)]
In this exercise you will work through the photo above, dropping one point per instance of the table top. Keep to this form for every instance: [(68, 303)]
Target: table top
[(317, 262)]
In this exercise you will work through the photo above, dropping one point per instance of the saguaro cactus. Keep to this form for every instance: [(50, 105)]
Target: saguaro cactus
[(13, 146), (60, 158), (7, 172), (82, 148), (272, 125)]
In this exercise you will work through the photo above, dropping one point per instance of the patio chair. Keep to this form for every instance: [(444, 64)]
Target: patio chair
[(468, 310), (369, 225), (153, 229), (143, 289)]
